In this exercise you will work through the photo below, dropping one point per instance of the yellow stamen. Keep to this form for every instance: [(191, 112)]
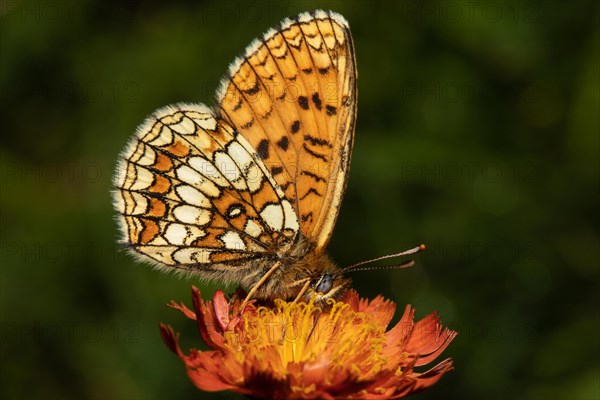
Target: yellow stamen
[(340, 333)]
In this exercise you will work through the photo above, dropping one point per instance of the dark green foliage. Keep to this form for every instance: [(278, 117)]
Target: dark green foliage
[(477, 134)]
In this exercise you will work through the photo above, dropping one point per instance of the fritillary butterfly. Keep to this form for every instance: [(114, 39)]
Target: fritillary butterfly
[(248, 191)]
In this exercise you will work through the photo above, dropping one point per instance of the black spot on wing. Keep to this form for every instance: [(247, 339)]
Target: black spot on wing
[(252, 90), (331, 110), (317, 100), (267, 114), (238, 105), (307, 216), (313, 191), (283, 143), (317, 142), (263, 62), (303, 101), (248, 124), (295, 126), (263, 149), (314, 176), (312, 153)]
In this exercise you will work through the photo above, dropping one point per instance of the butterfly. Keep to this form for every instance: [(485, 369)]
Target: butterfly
[(248, 191)]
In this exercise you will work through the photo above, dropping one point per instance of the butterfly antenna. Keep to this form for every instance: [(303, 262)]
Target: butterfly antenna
[(414, 250), (407, 264)]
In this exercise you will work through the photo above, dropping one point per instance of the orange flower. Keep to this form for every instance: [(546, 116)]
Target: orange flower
[(347, 353)]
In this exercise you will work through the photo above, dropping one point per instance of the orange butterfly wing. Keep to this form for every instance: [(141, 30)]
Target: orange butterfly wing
[(293, 97)]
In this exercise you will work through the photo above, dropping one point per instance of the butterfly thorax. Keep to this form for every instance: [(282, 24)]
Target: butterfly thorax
[(299, 263)]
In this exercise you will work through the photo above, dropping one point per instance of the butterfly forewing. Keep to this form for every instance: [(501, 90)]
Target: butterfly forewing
[(293, 96)]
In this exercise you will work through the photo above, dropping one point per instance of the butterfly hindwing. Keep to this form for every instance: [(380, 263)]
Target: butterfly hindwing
[(191, 193), (292, 95)]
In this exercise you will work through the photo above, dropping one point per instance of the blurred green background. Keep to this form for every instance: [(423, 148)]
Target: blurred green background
[(477, 134)]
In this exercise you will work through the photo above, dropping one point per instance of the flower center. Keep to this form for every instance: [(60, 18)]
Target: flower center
[(302, 332)]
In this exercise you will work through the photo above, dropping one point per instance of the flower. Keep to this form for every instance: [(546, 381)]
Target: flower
[(346, 353)]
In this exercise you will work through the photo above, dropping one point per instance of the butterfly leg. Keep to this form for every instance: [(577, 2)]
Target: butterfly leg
[(258, 284), (302, 291), (298, 297), (312, 330)]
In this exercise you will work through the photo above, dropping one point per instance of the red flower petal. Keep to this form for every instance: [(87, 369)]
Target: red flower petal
[(221, 309), (443, 342), (424, 337), (181, 307), (170, 338), (396, 338), (207, 371), (433, 375), (380, 309), (210, 332), (429, 339), (352, 299)]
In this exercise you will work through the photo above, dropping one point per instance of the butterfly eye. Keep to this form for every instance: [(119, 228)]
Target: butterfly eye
[(325, 284)]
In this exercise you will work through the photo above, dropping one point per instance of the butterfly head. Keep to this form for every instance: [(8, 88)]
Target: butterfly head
[(328, 285), (330, 281)]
